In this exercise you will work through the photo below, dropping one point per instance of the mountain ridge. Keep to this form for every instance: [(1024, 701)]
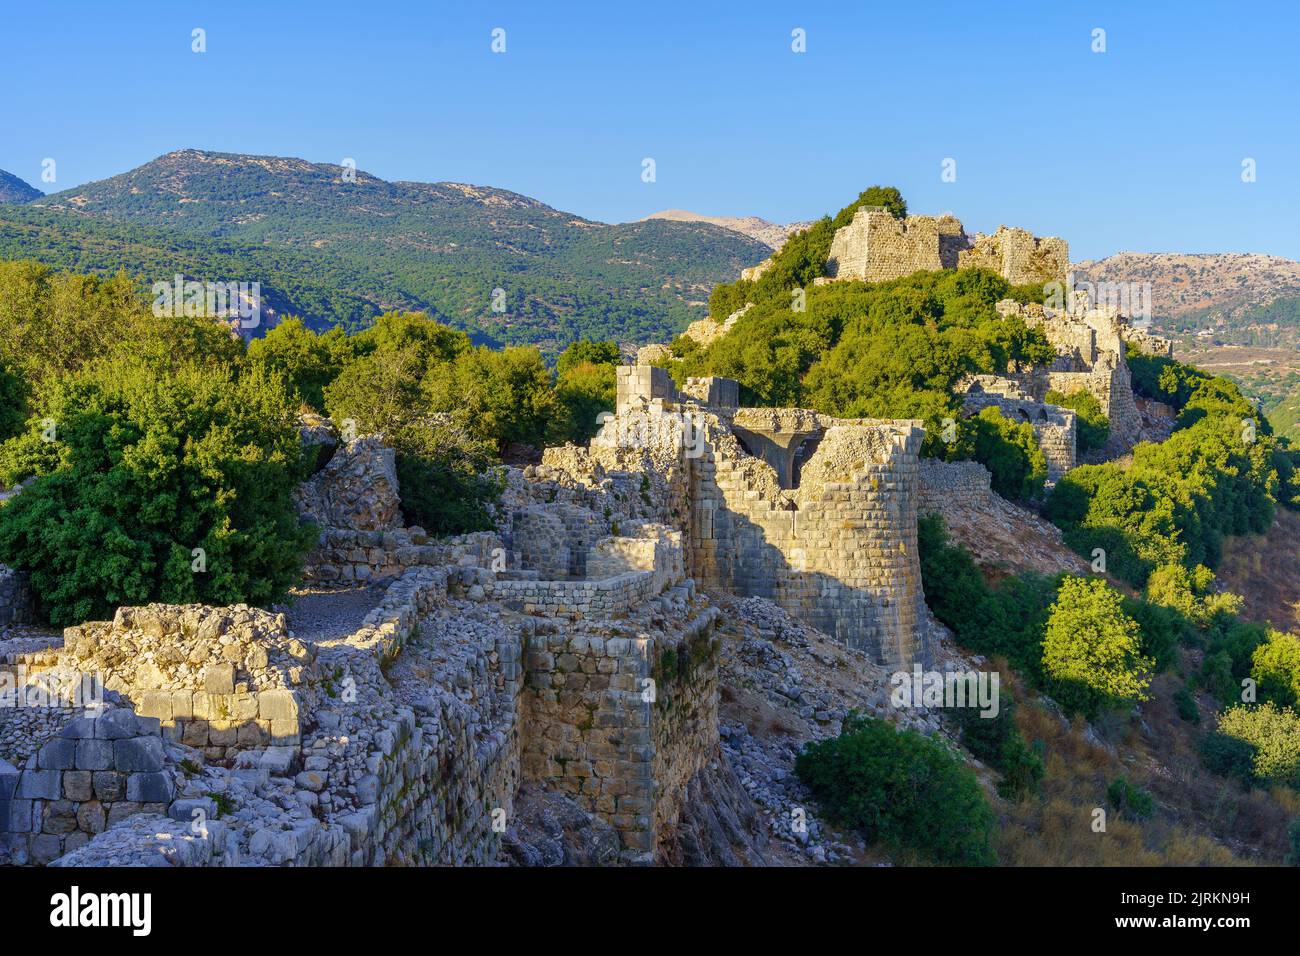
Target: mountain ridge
[(16, 190), (445, 247), (771, 234)]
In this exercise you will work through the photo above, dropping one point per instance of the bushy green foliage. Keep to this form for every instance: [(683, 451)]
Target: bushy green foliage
[(1009, 449), (1174, 503), (901, 789), (1273, 735), (886, 350), (1130, 800), (1230, 757), (1008, 621), (149, 464), (1092, 651), (1230, 657), (1275, 665), (587, 352), (1185, 701), (445, 472), (502, 396), (1092, 427), (586, 386), (1162, 631), (308, 361), (997, 741)]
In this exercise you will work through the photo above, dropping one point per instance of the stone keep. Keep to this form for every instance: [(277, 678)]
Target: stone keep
[(815, 513)]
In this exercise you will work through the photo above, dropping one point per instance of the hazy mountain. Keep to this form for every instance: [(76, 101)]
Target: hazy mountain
[(441, 246), (14, 190), (1194, 286), (771, 234)]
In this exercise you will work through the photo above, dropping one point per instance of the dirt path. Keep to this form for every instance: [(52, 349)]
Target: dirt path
[(320, 616)]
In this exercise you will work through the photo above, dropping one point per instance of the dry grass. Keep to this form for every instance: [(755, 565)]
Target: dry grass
[(1200, 820), (1263, 570)]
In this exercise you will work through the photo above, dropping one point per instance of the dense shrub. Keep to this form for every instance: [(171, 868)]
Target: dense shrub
[(308, 361), (1007, 621), (1272, 735), (1175, 502), (1275, 665), (997, 741), (1185, 701), (901, 789), (448, 485), (587, 386), (1009, 449), (149, 464), (1229, 757), (1092, 653), (1130, 800), (1230, 657), (504, 397)]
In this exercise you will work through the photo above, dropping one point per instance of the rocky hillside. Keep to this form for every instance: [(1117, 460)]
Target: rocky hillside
[(771, 234), (441, 247), (1187, 286), (13, 189)]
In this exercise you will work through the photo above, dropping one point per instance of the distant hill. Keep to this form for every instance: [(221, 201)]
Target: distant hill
[(369, 244), (1227, 290), (771, 234), (15, 190), (323, 289)]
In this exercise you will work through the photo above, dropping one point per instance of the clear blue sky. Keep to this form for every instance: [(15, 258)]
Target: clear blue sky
[(1138, 148)]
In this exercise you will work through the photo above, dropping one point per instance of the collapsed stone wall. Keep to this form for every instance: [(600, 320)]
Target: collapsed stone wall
[(1091, 347), (1018, 256), (1054, 427), (876, 247), (942, 485), (219, 680)]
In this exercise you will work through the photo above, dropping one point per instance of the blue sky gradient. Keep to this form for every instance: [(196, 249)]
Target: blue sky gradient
[(1138, 148)]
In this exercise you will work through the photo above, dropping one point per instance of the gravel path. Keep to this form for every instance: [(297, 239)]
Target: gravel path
[(320, 616)]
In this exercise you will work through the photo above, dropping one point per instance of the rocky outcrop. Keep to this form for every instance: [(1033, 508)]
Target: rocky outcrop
[(356, 490)]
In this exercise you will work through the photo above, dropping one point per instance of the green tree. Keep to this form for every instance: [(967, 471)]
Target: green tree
[(163, 484), (902, 789), (308, 361), (1092, 650), (1275, 665), (502, 397), (1273, 735)]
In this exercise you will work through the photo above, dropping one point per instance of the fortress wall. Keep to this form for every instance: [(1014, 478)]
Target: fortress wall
[(621, 725), (952, 484), (875, 246), (1019, 256), (840, 552)]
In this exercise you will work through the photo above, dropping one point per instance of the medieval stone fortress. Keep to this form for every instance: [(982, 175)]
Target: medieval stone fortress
[(423, 697)]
